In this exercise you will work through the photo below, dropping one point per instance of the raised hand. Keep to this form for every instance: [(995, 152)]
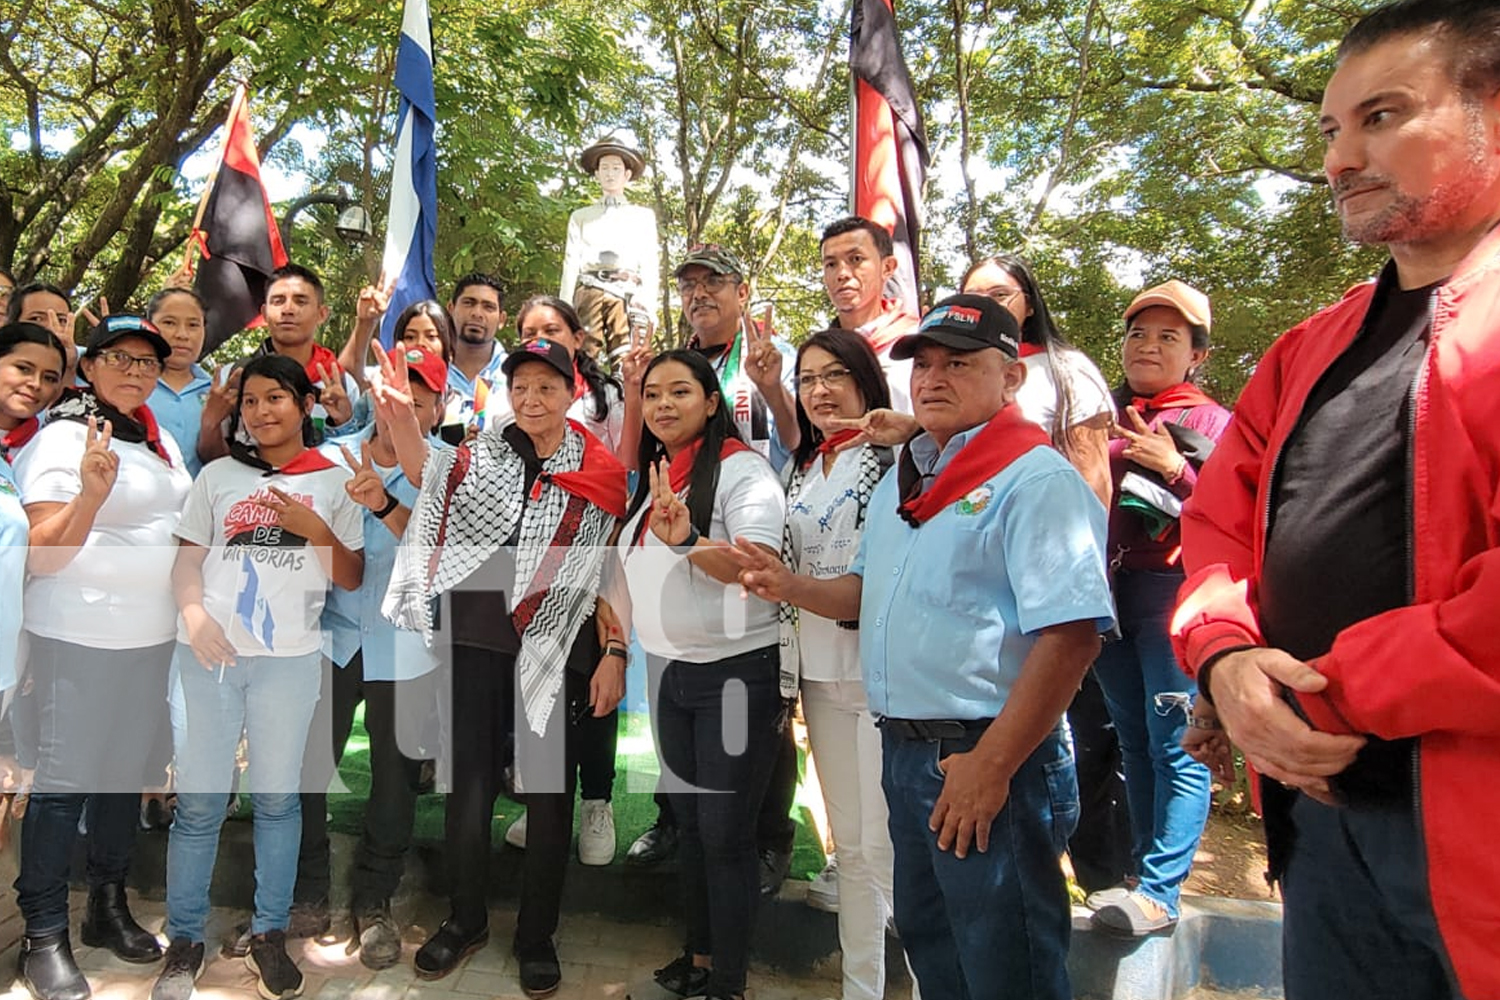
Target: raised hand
[(99, 465), (669, 515), (762, 360), (223, 397), (88, 314), (366, 488), (373, 301), (332, 395), (879, 427), (761, 573), (634, 361)]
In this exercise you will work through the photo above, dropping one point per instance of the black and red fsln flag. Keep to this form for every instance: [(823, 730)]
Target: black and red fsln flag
[(890, 156), (237, 237)]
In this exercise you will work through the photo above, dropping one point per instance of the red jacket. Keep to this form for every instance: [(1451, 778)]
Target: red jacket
[(1430, 670)]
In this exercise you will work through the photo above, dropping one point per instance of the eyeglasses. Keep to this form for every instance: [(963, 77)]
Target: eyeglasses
[(120, 361), (1001, 294), (709, 282), (832, 379)]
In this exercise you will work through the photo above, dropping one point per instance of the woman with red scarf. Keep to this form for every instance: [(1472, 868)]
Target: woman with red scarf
[(508, 537), (1166, 428), (712, 656), (102, 487)]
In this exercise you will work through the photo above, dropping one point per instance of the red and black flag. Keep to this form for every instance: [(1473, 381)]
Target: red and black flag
[(237, 236), (890, 142)]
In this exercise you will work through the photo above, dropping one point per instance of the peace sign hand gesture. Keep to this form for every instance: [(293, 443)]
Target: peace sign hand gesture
[(366, 488), (669, 515), (332, 395), (223, 396), (373, 301), (99, 465), (297, 517), (762, 360), (633, 363)]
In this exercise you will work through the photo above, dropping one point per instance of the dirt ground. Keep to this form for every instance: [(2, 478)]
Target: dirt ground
[(1231, 858)]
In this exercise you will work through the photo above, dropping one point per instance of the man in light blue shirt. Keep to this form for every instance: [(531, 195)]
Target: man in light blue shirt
[(980, 589)]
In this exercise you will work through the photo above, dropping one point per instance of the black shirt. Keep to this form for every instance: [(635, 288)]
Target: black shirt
[(1337, 547)]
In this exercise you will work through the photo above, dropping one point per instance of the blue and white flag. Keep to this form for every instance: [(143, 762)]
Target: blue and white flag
[(411, 229)]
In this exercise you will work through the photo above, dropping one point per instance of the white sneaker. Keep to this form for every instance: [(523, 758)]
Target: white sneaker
[(515, 834), (596, 832), (823, 890)]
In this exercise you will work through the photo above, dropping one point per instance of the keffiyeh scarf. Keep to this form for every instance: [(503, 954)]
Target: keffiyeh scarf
[(873, 463), (473, 501)]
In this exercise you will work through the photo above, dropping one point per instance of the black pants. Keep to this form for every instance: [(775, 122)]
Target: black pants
[(716, 730), (597, 742), (1100, 848), (394, 713), (1358, 920), (775, 830), (484, 718), (99, 713)]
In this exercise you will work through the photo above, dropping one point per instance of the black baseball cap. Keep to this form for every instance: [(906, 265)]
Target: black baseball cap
[(964, 323), (120, 326), (540, 349)]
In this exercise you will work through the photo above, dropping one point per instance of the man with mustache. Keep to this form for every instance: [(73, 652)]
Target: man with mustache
[(477, 355), (1342, 542)]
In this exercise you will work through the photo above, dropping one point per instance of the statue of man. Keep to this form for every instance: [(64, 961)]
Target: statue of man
[(611, 262)]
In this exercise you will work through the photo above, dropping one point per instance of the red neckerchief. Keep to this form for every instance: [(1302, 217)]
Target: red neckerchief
[(580, 387), (1027, 350), (681, 468), (831, 444), (310, 460), (15, 439), (147, 420), (320, 356), (1004, 439), (600, 478), (889, 327), (1178, 397)]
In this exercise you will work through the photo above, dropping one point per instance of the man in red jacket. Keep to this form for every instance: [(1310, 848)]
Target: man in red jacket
[(1343, 545)]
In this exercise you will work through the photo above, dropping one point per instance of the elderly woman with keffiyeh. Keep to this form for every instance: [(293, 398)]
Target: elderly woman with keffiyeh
[(504, 553)]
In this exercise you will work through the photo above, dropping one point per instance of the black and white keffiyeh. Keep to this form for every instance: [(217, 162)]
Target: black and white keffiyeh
[(873, 463), (473, 500)]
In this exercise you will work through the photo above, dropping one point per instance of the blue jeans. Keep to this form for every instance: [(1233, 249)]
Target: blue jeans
[(270, 698), (994, 924), (1148, 696)]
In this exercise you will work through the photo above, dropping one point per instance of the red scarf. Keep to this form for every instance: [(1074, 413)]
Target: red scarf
[(320, 356), (1004, 439), (600, 478), (1178, 397), (831, 444), (307, 460), (681, 468), (1027, 350), (15, 439), (889, 327), (580, 386)]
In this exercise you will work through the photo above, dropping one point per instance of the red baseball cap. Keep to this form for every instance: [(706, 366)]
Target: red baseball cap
[(428, 367)]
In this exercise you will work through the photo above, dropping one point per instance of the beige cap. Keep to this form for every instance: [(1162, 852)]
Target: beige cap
[(1174, 294)]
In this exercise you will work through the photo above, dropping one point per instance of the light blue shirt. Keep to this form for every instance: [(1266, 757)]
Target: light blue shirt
[(15, 533), (950, 610), (180, 413), (355, 624), (461, 388)]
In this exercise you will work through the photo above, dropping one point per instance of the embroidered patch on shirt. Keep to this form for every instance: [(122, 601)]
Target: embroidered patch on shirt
[(975, 501)]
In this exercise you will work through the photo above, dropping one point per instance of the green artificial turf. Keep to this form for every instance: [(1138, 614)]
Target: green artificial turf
[(635, 780)]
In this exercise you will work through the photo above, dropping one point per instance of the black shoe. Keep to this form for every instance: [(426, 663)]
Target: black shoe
[(449, 946), (110, 925), (539, 972), (682, 977), (276, 975), (773, 868), (656, 845), (379, 939), (308, 920), (184, 963), (47, 968)]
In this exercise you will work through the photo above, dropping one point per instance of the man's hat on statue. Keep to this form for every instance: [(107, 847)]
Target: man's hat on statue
[(612, 145)]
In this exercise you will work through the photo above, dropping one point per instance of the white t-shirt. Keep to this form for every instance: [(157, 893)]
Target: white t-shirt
[(682, 613), (1038, 394), (14, 534), (264, 585), (116, 592), (824, 516)]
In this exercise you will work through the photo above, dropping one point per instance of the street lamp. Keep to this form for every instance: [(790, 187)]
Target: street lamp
[(353, 224)]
